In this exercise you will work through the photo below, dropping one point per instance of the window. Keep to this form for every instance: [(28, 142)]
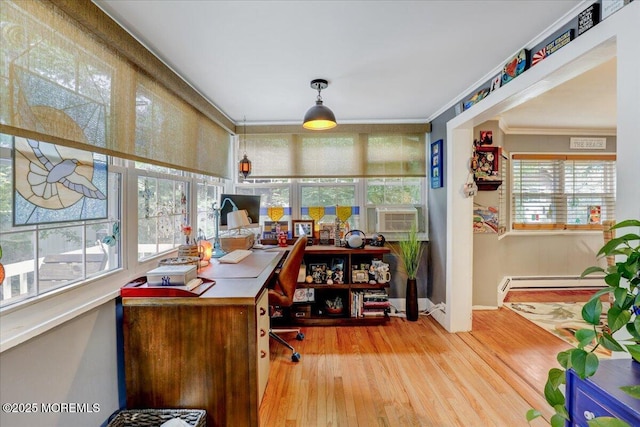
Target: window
[(322, 195), (394, 191), (562, 191), (208, 192), (39, 258), (162, 210)]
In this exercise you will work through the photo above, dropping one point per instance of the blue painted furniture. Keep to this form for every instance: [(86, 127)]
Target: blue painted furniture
[(600, 395)]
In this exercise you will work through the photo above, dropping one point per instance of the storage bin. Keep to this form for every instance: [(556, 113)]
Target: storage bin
[(156, 417)]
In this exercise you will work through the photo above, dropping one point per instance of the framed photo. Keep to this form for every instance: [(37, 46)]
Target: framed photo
[(324, 237), (486, 137), (271, 229), (302, 227), (436, 164)]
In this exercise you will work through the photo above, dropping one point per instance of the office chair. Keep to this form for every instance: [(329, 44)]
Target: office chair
[(284, 286)]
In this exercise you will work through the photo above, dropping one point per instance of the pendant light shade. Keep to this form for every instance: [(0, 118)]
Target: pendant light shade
[(319, 117)]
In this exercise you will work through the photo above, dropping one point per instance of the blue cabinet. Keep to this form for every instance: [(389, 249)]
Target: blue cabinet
[(600, 395)]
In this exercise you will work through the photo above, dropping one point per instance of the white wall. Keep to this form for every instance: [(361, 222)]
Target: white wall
[(74, 363), (619, 32)]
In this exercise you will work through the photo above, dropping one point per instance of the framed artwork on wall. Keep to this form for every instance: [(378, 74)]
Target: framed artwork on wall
[(436, 164), (302, 227)]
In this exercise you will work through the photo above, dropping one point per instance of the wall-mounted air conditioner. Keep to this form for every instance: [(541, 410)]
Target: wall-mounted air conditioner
[(394, 219)]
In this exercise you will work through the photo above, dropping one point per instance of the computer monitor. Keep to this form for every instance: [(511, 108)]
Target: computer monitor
[(243, 201)]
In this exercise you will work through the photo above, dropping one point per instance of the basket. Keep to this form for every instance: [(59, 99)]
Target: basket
[(156, 417)]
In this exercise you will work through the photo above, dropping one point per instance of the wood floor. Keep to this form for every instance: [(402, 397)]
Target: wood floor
[(414, 373)]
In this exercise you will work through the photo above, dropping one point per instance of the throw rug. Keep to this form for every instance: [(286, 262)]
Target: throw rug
[(559, 318)]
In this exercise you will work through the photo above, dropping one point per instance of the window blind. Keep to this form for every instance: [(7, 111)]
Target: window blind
[(336, 155), (562, 191), (61, 84)]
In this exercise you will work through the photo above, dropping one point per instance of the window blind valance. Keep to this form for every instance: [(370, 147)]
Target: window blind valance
[(335, 154), (56, 78)]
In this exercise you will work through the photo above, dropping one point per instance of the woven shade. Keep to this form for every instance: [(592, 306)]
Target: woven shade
[(336, 155), (51, 61)]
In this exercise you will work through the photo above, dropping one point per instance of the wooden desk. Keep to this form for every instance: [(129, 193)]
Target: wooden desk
[(209, 352)]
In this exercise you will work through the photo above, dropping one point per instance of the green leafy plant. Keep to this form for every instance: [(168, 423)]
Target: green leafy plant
[(409, 251), (623, 284)]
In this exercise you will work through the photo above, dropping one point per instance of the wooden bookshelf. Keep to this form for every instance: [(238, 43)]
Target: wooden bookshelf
[(316, 312)]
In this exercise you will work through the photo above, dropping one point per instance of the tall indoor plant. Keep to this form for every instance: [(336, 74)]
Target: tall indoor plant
[(623, 286), (409, 251)]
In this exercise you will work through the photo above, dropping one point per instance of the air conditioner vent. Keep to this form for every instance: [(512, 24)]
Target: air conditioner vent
[(390, 220)]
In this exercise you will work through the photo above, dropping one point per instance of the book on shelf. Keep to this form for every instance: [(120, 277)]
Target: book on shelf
[(370, 303), (374, 313), (376, 304)]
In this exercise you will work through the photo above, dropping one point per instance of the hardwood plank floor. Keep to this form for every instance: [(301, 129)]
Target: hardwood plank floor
[(414, 374)]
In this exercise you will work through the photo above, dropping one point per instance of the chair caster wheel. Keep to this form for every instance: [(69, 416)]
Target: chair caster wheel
[(295, 357), (300, 336)]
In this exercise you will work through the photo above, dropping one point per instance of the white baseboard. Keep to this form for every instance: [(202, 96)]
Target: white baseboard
[(424, 305), (400, 304)]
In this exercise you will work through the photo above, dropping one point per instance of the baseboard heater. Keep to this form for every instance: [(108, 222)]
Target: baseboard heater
[(553, 282), (548, 282)]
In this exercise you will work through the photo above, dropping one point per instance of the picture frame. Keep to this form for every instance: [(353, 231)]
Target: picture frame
[(271, 228), (436, 164), (324, 237), (305, 225)]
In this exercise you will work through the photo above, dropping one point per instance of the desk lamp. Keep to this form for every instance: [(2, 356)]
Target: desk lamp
[(217, 248)]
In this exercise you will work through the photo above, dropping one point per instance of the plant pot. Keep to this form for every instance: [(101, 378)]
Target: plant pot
[(412, 300)]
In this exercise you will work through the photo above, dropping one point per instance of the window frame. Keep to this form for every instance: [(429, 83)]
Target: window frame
[(561, 195)]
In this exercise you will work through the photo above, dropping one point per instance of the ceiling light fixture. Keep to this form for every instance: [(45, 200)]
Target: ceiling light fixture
[(319, 117), (244, 167)]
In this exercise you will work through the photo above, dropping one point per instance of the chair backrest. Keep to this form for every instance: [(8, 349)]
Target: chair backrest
[(287, 279)]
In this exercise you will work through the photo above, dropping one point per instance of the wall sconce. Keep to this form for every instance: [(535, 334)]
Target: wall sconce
[(319, 117), (244, 167)]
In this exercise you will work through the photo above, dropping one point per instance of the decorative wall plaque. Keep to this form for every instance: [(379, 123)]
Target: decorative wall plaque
[(588, 18), (516, 66), (559, 42)]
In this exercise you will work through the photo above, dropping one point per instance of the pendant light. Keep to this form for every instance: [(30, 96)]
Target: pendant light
[(319, 117), (244, 167)]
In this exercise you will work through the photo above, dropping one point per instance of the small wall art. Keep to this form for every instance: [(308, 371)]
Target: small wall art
[(437, 167), (516, 66)]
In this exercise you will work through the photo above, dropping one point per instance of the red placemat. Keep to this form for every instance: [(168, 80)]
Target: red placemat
[(140, 288)]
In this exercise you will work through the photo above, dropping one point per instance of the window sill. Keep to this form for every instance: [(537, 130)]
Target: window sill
[(524, 233), (25, 320)]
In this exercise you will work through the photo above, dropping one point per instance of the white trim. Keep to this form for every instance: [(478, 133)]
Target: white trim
[(590, 49), (558, 131), (503, 289), (567, 17), (38, 315)]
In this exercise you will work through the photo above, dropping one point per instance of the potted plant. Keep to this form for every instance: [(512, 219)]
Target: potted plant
[(409, 251), (623, 286)]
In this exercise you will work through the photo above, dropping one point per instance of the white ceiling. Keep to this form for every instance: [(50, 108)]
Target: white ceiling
[(386, 61)]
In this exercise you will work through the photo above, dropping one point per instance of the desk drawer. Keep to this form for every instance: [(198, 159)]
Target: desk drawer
[(262, 316)]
